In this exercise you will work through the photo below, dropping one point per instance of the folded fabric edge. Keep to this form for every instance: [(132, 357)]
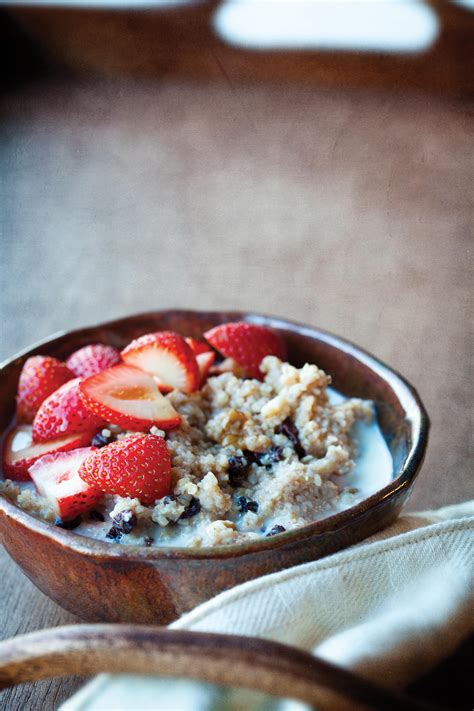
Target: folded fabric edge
[(407, 530), (367, 550)]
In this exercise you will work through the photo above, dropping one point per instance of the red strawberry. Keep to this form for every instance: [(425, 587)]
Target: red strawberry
[(92, 359), (64, 413), (19, 452), (205, 361), (56, 478), (247, 344), (168, 357), (138, 465), (128, 397), (41, 376), (204, 357), (162, 388), (196, 346)]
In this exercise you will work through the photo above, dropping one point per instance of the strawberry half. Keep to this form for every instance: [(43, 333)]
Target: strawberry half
[(168, 357), (92, 359), (128, 397), (56, 478), (19, 452), (64, 413), (247, 344), (138, 466), (41, 376)]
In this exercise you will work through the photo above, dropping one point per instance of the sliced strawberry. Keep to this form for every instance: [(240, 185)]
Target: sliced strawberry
[(247, 344), (196, 346), (162, 388), (204, 357), (205, 361), (138, 466), (56, 478), (19, 452), (41, 376), (92, 359), (168, 357), (128, 397), (64, 413)]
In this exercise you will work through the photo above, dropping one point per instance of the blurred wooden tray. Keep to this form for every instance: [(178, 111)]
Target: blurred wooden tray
[(180, 41), (245, 662)]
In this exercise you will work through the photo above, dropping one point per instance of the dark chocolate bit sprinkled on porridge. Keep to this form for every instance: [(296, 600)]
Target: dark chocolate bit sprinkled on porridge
[(101, 439), (148, 541), (246, 504), (95, 515), (68, 525), (125, 521), (268, 458), (275, 531), (289, 429), (238, 467), (114, 533), (192, 508)]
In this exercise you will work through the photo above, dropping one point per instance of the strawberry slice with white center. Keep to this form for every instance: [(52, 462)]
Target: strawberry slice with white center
[(128, 397), (205, 361), (204, 357), (196, 346), (19, 452), (247, 344), (64, 413), (93, 358), (167, 357), (56, 478)]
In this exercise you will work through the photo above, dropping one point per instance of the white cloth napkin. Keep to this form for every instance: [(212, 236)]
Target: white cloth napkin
[(389, 609)]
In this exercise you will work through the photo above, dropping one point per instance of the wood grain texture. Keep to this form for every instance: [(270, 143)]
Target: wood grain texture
[(351, 211)]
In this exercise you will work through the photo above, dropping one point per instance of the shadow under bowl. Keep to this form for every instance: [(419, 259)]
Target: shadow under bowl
[(101, 581)]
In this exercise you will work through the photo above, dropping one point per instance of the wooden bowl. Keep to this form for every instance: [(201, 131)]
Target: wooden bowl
[(107, 582)]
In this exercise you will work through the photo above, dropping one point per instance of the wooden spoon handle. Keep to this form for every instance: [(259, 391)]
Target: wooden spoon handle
[(257, 664)]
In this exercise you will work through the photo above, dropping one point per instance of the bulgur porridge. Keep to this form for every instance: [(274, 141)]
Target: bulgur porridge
[(250, 459)]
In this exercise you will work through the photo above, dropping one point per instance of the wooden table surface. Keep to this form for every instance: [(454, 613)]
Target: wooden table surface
[(348, 210)]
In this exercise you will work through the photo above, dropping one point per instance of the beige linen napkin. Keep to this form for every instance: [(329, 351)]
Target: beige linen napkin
[(389, 609)]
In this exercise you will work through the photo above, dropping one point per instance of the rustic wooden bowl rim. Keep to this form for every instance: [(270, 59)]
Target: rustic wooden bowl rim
[(403, 477)]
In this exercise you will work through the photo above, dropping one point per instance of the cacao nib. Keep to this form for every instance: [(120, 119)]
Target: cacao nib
[(96, 516), (125, 521), (275, 531), (192, 509), (100, 440), (68, 525), (114, 533), (289, 429), (149, 541), (246, 504), (267, 458), (238, 467)]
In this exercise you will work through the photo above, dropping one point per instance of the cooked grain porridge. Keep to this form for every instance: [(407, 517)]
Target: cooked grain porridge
[(250, 459)]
